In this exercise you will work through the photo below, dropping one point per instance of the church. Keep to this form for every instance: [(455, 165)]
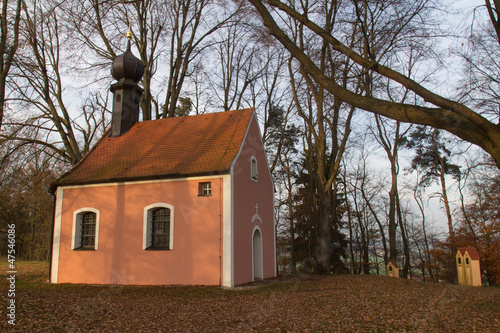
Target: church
[(184, 200)]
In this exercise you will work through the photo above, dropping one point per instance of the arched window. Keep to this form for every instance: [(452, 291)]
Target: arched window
[(253, 168), (158, 227), (85, 229)]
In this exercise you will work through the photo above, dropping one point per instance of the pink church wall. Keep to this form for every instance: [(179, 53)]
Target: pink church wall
[(248, 193), (120, 258)]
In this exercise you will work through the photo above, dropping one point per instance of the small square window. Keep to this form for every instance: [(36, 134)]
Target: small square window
[(466, 261), (205, 189), (459, 261)]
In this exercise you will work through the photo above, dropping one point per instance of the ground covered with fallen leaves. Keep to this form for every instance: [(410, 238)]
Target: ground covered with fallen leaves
[(343, 303)]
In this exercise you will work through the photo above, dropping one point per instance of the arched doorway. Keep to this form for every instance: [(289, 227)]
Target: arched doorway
[(257, 255)]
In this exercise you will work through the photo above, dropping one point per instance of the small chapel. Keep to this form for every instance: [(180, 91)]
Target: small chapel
[(468, 267), (184, 200)]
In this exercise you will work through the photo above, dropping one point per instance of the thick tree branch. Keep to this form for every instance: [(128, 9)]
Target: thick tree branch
[(449, 115)]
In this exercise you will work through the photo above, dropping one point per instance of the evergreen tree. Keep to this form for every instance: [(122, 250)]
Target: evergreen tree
[(307, 222), (432, 158)]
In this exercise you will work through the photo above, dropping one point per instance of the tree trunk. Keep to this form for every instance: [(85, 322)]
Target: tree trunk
[(324, 235), (2, 100), (447, 207), (351, 244), (442, 172), (376, 258), (293, 266), (392, 222), (9, 41), (404, 236), (380, 226), (426, 241)]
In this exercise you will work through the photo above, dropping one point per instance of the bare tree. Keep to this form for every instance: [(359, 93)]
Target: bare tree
[(479, 222), (37, 84), (442, 113), (427, 264), (240, 64), (494, 13), (480, 51), (432, 158), (9, 41), (284, 142), (360, 218), (327, 120), (391, 147), (171, 36), (26, 174)]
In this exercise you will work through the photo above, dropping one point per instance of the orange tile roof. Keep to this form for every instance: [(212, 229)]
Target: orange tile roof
[(164, 148), (394, 263), (473, 254)]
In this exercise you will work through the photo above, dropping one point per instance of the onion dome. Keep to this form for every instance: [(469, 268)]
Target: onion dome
[(127, 66)]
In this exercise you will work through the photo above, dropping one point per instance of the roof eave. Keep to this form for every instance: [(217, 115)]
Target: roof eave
[(57, 184)]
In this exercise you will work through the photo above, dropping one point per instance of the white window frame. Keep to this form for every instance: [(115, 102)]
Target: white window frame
[(76, 241), (146, 231), (254, 171)]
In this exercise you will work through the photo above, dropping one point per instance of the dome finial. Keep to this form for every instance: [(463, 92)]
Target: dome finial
[(129, 32)]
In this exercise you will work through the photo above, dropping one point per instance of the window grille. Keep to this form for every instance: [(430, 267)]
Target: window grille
[(88, 230), (160, 228), (205, 189)]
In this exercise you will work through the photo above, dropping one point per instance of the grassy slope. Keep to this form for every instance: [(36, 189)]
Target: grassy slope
[(333, 304)]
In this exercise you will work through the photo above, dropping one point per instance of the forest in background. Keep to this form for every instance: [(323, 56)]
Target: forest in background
[(352, 187)]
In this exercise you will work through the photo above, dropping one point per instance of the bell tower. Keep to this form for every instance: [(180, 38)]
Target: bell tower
[(128, 71)]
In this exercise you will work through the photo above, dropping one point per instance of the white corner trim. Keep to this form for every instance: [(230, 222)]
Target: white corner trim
[(274, 240), (147, 218), (75, 226), (243, 142), (227, 231), (56, 244)]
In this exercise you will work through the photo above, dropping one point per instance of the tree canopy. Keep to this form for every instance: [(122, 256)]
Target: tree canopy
[(435, 110)]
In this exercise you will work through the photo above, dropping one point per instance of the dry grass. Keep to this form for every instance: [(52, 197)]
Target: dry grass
[(309, 304)]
